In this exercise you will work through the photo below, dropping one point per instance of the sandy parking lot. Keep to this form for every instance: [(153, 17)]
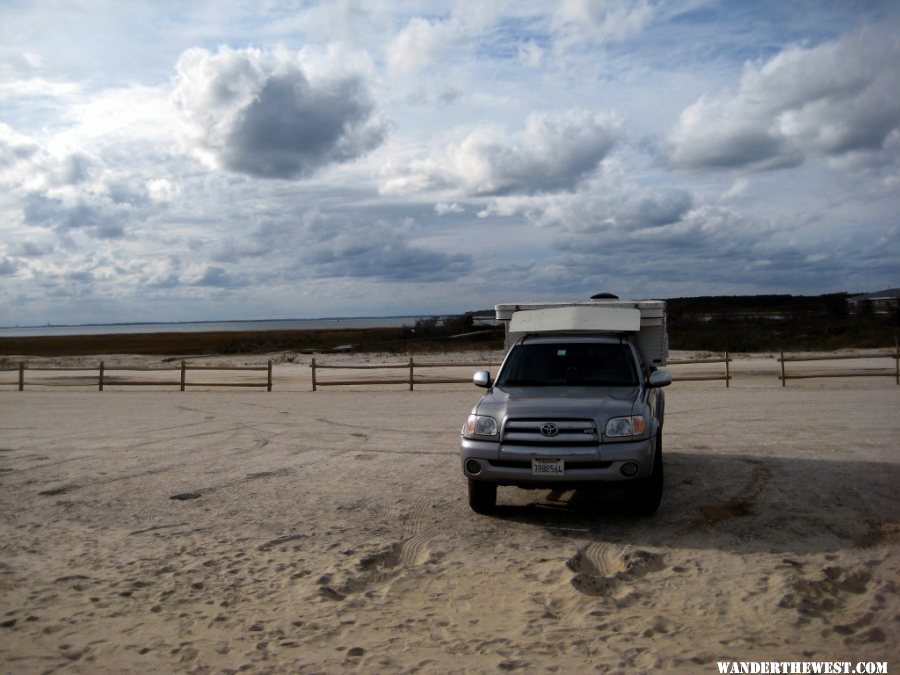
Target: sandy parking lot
[(151, 531)]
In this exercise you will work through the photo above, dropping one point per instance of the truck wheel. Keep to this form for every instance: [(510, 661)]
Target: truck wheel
[(642, 497), (482, 496)]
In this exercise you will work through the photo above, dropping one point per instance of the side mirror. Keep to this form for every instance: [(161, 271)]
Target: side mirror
[(482, 379), (659, 378)]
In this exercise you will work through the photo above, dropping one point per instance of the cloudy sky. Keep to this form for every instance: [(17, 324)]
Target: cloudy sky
[(164, 161)]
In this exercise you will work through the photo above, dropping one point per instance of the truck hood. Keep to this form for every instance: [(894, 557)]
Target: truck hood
[(596, 403)]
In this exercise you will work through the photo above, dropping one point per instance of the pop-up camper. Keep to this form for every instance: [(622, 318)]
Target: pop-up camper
[(645, 319)]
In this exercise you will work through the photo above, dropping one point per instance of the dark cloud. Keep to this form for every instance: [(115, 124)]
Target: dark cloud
[(15, 148), (124, 194), (8, 267), (31, 249), (653, 212), (103, 221), (387, 261), (74, 169), (265, 116), (217, 277), (292, 130), (85, 277), (727, 147), (378, 252), (716, 249)]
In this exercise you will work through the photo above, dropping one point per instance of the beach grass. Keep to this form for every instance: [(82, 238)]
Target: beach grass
[(397, 340)]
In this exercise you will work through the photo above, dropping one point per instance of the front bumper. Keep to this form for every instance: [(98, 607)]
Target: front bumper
[(511, 465)]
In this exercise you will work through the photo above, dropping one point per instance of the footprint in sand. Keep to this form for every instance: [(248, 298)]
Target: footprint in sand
[(601, 568), (61, 490), (826, 594), (186, 496), (378, 568)]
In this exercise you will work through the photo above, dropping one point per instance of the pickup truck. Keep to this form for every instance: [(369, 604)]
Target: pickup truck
[(568, 411)]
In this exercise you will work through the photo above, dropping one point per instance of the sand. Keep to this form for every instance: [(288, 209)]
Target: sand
[(295, 531)]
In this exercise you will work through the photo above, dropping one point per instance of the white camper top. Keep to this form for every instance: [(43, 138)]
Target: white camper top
[(576, 319), (650, 309), (646, 318)]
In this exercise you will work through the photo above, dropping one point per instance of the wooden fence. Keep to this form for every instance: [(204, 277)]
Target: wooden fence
[(105, 379), (409, 378), (784, 377), (726, 375)]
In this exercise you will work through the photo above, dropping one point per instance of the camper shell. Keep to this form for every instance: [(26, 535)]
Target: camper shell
[(644, 319)]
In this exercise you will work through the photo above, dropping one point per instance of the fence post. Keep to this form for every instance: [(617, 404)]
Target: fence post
[(727, 371), (783, 381), (269, 382), (101, 376), (312, 365), (21, 376), (897, 364), (183, 374), (410, 373)]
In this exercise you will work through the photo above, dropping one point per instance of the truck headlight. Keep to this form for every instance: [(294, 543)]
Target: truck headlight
[(625, 426), (481, 425)]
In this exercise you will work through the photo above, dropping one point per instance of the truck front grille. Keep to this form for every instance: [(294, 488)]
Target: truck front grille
[(526, 464), (550, 433)]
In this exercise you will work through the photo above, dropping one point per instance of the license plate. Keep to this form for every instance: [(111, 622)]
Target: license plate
[(548, 466)]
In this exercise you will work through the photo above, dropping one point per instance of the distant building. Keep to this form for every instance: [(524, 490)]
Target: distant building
[(481, 320), (882, 302)]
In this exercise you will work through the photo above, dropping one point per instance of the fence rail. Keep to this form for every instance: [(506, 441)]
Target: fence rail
[(108, 376), (410, 380), (784, 377), (701, 378), (104, 379)]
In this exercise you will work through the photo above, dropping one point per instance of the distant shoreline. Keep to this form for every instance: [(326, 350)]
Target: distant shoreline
[(237, 325)]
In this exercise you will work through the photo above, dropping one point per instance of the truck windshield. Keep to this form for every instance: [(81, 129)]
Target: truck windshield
[(578, 364)]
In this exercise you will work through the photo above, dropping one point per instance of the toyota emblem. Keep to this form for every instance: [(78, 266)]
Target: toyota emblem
[(549, 430)]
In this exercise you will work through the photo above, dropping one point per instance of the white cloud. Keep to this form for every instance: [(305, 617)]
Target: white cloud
[(27, 166), (162, 190), (601, 20), (443, 209), (737, 188), (116, 120), (420, 44), (531, 54), (424, 43), (604, 208), (37, 87), (834, 99), (553, 152)]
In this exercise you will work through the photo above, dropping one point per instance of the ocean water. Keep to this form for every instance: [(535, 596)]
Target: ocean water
[(210, 326)]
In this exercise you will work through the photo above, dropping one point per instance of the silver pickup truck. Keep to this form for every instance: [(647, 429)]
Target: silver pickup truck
[(568, 411)]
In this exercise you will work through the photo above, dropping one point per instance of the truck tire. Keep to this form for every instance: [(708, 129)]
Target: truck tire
[(642, 497), (482, 496)]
